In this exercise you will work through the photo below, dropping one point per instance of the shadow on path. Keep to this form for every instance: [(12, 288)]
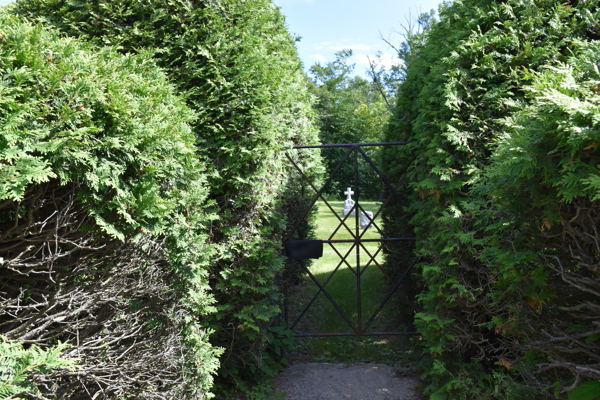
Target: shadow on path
[(322, 381)]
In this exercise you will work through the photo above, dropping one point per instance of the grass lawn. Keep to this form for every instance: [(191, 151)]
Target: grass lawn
[(322, 317)]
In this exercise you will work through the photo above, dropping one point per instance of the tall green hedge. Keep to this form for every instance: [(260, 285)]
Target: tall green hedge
[(500, 106), (102, 220), (237, 66)]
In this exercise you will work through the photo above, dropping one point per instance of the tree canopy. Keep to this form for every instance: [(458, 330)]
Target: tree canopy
[(101, 219), (350, 109)]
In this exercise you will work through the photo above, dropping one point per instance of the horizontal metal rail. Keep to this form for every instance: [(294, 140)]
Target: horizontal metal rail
[(357, 334), (323, 146), (369, 240)]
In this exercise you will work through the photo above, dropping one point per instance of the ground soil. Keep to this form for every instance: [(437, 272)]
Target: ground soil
[(325, 381)]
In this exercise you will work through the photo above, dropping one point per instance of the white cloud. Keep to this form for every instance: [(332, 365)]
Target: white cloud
[(353, 47), (362, 59), (319, 58), (387, 60), (318, 47)]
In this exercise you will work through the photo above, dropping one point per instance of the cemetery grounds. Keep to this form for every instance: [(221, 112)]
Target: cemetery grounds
[(322, 317)]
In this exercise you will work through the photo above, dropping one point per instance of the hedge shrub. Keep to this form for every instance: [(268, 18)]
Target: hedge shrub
[(102, 214), (500, 106), (237, 66)]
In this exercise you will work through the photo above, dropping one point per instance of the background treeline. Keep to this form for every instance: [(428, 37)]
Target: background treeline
[(500, 103), (352, 109), (144, 193)]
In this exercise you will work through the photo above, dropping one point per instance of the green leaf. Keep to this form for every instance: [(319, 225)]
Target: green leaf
[(593, 338), (586, 391), (578, 327)]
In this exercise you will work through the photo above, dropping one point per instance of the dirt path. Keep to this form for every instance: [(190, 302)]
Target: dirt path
[(322, 381)]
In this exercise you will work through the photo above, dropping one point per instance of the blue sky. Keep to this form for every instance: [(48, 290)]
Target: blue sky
[(327, 26)]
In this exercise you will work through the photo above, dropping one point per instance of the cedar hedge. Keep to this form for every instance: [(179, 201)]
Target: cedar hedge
[(500, 106), (102, 223), (236, 65)]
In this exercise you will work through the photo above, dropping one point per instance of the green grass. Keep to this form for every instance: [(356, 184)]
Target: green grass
[(322, 317)]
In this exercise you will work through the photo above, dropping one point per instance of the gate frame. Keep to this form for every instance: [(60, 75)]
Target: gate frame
[(359, 329)]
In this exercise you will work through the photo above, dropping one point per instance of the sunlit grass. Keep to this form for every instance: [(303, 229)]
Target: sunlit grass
[(322, 316)]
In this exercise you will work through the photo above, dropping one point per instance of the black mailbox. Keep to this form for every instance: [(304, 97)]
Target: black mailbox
[(303, 249)]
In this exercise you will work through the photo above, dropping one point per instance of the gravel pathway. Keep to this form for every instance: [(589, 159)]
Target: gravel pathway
[(322, 381)]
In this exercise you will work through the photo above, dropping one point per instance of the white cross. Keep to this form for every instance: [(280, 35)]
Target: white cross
[(349, 193)]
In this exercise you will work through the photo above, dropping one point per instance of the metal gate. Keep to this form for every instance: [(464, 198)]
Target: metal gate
[(358, 327)]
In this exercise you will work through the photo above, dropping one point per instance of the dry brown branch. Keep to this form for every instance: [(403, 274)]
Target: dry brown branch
[(61, 278)]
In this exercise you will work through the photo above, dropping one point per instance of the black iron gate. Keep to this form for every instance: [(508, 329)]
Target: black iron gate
[(304, 249)]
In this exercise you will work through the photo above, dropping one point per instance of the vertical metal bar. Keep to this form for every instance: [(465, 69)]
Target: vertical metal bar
[(285, 287), (372, 259), (357, 221)]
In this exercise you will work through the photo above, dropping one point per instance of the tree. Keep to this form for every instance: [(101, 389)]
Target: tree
[(18, 364), (350, 110), (500, 175)]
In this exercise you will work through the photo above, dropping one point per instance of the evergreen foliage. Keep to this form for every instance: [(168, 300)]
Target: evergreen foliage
[(500, 106), (16, 364), (237, 66), (102, 219)]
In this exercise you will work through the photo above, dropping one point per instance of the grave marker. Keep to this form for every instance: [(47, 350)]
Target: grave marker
[(348, 203)]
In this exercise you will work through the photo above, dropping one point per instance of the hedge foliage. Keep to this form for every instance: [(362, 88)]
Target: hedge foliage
[(102, 224), (500, 108), (16, 363), (237, 67)]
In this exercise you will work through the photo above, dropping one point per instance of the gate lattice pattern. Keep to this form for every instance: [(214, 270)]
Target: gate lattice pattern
[(357, 240)]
